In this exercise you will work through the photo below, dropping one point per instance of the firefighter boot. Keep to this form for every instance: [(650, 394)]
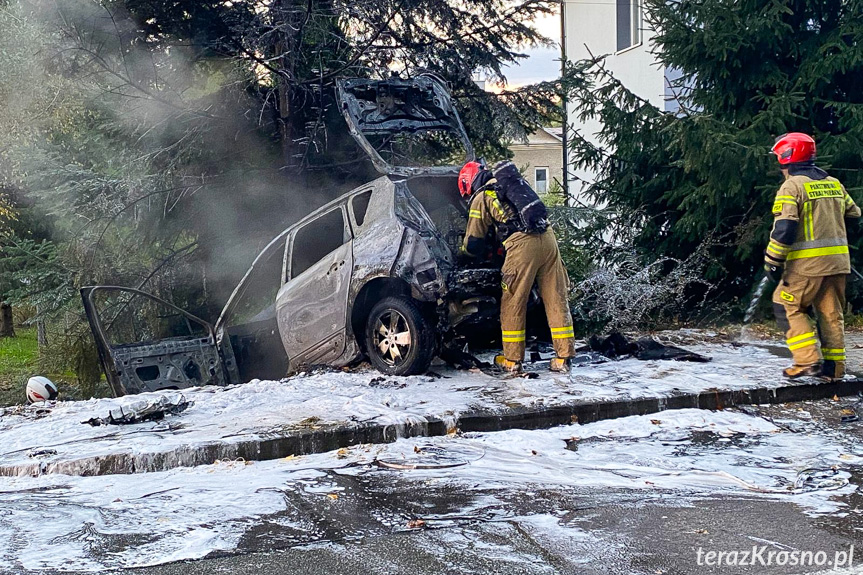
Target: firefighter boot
[(560, 364), (507, 364), (832, 370), (796, 371)]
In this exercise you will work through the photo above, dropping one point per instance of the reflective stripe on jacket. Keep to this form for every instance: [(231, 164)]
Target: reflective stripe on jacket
[(809, 235), (486, 210)]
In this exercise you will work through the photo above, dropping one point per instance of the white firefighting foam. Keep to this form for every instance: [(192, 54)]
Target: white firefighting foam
[(95, 523), (265, 408)]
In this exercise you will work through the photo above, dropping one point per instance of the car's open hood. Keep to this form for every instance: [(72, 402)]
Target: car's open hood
[(400, 106)]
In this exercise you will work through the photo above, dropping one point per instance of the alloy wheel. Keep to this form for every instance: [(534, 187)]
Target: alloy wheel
[(392, 337)]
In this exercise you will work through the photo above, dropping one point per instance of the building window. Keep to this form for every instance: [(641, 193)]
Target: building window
[(541, 180), (628, 23)]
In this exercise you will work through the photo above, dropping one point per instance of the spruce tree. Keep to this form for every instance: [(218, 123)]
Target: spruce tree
[(749, 71), (177, 138)]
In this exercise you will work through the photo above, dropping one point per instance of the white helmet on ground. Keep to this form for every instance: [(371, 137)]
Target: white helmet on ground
[(40, 388)]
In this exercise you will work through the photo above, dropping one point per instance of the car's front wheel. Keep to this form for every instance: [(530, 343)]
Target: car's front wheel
[(399, 339)]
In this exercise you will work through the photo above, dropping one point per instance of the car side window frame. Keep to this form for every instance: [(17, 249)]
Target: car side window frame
[(355, 225), (289, 250), (287, 268)]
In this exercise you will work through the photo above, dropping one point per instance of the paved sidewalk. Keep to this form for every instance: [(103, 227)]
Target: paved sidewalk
[(322, 411)]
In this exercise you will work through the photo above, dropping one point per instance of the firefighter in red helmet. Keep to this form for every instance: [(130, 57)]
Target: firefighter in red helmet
[(501, 201), (808, 256)]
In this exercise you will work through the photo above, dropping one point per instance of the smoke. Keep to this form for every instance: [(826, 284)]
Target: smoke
[(139, 149)]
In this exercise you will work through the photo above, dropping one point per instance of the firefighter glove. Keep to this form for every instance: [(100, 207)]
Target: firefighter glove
[(773, 272)]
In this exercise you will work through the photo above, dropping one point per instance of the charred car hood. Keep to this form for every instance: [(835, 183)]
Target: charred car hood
[(400, 106)]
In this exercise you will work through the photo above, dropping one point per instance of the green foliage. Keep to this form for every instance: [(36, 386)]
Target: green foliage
[(18, 358), (749, 71), (33, 272), (161, 144), (555, 196), (566, 223)]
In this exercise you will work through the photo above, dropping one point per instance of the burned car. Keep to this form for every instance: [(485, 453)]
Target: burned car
[(373, 273)]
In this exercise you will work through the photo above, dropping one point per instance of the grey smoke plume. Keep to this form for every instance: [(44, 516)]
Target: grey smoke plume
[(139, 150)]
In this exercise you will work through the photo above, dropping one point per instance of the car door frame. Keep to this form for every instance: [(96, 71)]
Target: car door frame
[(105, 350), (330, 345)]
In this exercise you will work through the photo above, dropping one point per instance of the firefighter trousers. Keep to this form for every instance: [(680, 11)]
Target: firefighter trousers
[(529, 259), (794, 297)]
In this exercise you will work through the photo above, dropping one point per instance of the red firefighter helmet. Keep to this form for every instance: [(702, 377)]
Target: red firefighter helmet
[(794, 147), (466, 177)]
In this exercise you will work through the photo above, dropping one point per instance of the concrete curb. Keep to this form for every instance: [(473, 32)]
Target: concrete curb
[(328, 438)]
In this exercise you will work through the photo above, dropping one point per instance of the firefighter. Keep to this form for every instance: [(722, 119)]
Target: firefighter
[(808, 256), (531, 255)]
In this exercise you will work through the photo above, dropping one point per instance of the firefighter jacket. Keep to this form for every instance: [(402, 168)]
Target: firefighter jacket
[(809, 236), (530, 259), (486, 210)]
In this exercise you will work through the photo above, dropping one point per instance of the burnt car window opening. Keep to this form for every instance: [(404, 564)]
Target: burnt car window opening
[(360, 205), (255, 302), (316, 239), (130, 318), (413, 214), (252, 325), (446, 211)]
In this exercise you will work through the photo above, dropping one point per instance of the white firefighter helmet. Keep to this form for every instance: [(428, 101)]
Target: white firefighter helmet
[(40, 388)]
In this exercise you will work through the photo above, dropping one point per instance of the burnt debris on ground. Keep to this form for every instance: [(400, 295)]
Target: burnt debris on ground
[(617, 346), (154, 409)]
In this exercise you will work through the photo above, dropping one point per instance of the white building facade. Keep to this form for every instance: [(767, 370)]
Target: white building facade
[(615, 29)]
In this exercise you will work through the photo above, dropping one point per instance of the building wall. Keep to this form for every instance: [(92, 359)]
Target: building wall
[(540, 151), (590, 28)]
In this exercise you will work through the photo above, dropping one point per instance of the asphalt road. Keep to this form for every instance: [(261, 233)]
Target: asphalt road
[(605, 533), (375, 528), (511, 531)]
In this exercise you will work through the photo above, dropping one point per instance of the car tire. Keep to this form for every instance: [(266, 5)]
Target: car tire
[(399, 338)]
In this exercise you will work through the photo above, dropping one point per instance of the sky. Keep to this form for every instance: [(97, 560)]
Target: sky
[(543, 63)]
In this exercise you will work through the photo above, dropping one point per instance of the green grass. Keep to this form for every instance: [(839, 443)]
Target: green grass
[(19, 360), (19, 352)]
